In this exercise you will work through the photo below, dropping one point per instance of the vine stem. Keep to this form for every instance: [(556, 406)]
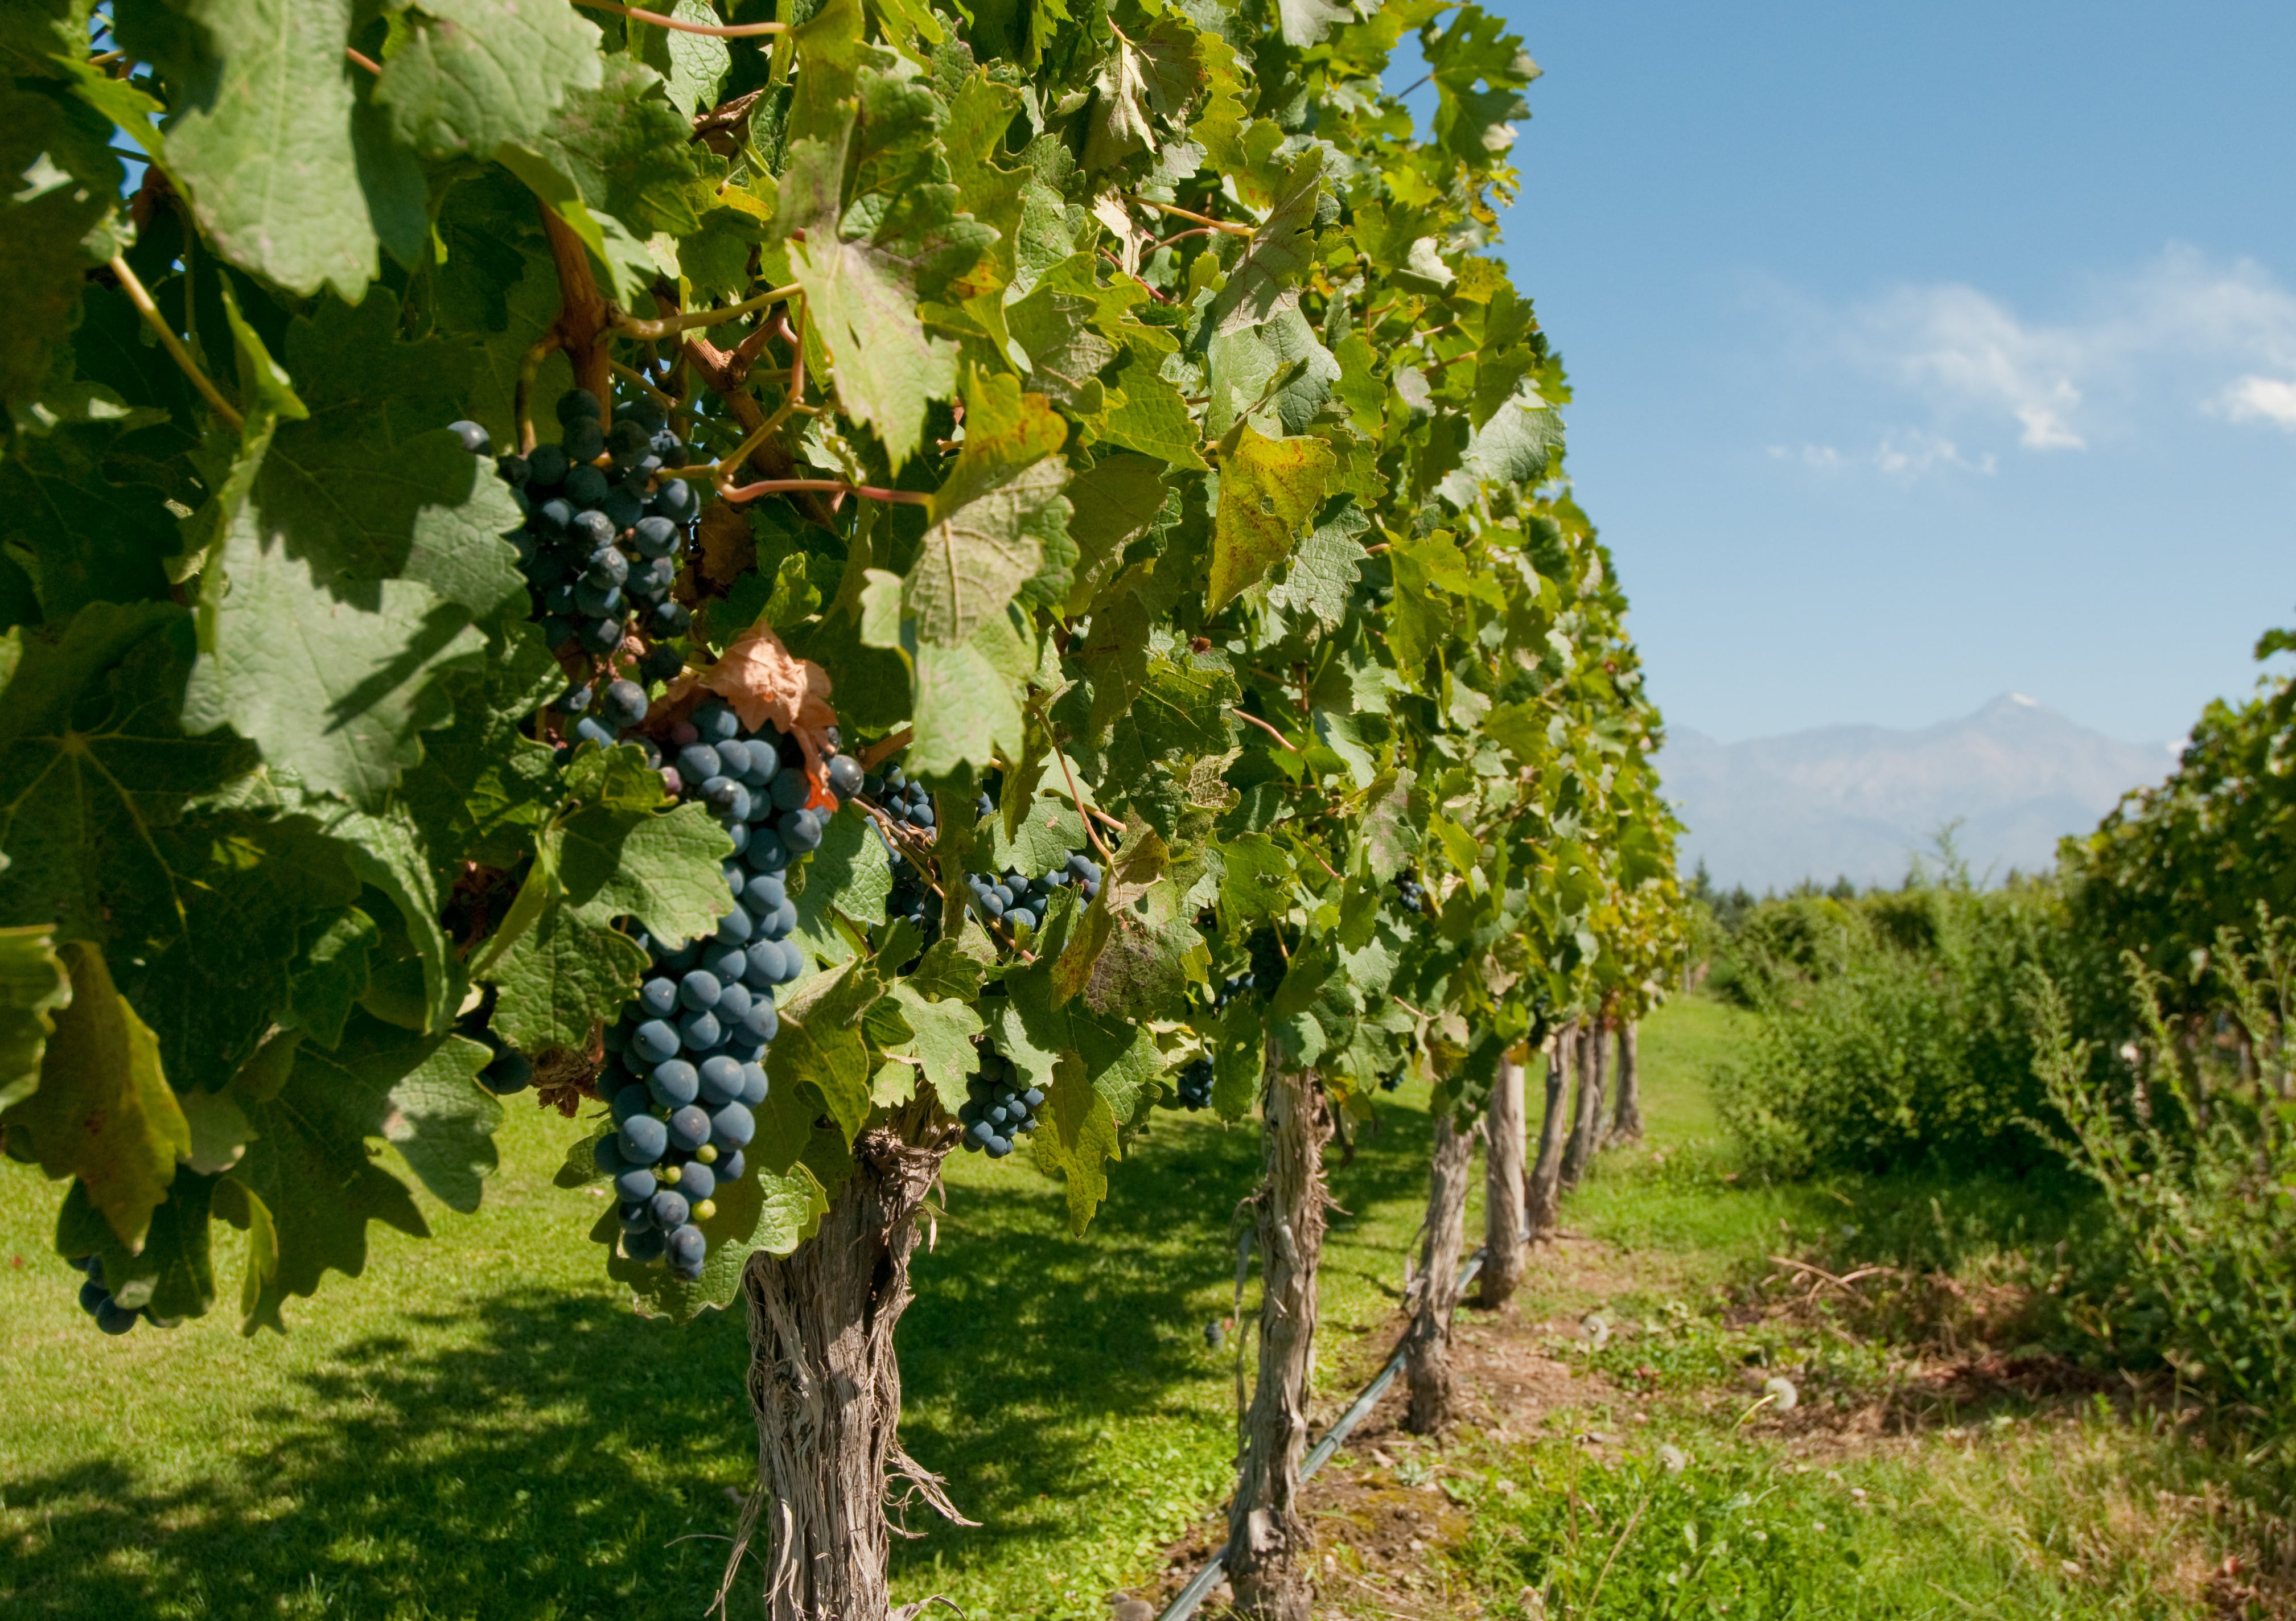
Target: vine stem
[(827, 486), (1178, 212), (363, 59), (1264, 726), (714, 31), (630, 326), (174, 345), (1091, 833)]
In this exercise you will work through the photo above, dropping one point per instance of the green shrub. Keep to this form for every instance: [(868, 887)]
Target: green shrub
[(2195, 1151), (1891, 1035)]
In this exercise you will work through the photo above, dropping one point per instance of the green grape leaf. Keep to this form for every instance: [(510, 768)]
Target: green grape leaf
[(966, 712), (469, 74), (820, 1063), (172, 1274), (103, 1112), (261, 137), (849, 875), (1324, 569), (663, 869), (1268, 489), (992, 518), (629, 157), (942, 1042), (1076, 1140), (93, 539), (63, 180), (561, 977), (695, 65), (1516, 445), (1267, 280), (33, 985), (310, 1166), (1113, 502)]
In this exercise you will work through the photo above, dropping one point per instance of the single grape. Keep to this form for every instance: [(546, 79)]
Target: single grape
[(733, 1125), (700, 990), (687, 1247), (644, 1139), (674, 1084), (114, 1318), (699, 1183), (634, 1184), (576, 403), (668, 1208), (658, 996), (689, 1127), (511, 1072), (645, 1246), (654, 1041), (720, 1081)]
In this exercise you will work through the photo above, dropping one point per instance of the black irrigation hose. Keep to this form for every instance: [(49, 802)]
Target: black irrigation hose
[(1184, 1603)]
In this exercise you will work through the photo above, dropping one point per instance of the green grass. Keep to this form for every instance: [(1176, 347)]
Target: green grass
[(478, 1426)]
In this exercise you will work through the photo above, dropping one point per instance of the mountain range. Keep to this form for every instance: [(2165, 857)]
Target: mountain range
[(1861, 802)]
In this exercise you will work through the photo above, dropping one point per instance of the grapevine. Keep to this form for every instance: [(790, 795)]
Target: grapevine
[(884, 582)]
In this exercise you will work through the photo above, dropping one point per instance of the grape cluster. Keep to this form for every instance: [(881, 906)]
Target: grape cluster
[(1012, 895), (97, 1302), (910, 898), (996, 1110), (900, 797), (1230, 988), (1410, 891), (1196, 1085), (600, 547), (687, 1067), (1268, 960)]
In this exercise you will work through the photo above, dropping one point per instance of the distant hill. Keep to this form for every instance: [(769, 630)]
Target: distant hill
[(1859, 801)]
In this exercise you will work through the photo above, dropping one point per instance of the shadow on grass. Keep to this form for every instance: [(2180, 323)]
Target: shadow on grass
[(557, 1457), (1015, 1357)]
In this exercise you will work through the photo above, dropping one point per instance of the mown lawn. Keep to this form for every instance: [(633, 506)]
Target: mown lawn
[(478, 1426)]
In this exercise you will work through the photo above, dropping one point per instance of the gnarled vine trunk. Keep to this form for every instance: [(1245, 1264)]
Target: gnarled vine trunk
[(1586, 1123), (1269, 1540), (1627, 1119), (1434, 1289), (826, 1392), (1542, 1198), (1503, 1228)]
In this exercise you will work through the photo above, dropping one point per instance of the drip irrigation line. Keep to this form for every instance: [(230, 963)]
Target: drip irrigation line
[(1185, 1603)]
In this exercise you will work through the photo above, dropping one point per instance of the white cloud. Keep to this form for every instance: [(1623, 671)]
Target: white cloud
[(2260, 399), (2183, 333), (1911, 453)]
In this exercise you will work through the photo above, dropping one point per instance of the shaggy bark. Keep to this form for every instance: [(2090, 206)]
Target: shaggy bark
[(1586, 1123), (1627, 1117), (1542, 1197), (1434, 1291), (1503, 1228), (826, 1392), (1269, 1540)]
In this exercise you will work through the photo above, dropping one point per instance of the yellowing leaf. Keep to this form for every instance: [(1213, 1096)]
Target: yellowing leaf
[(1269, 488), (103, 1112)]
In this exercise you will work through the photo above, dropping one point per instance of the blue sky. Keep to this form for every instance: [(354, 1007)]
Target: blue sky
[(1924, 353)]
